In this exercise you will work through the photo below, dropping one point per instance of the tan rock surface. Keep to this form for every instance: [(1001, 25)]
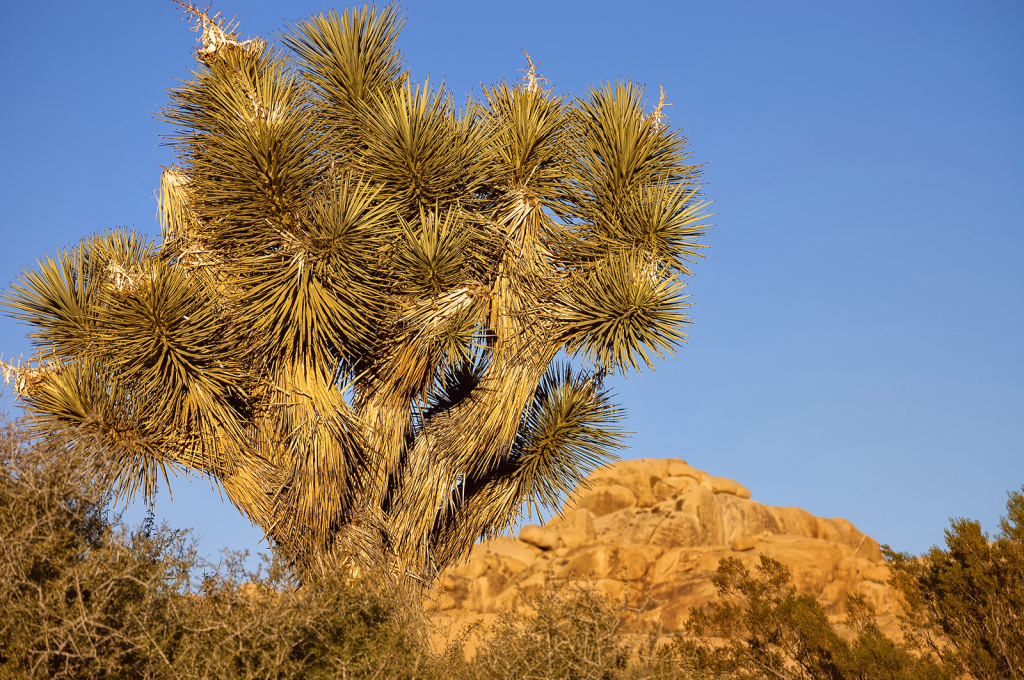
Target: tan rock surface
[(657, 530)]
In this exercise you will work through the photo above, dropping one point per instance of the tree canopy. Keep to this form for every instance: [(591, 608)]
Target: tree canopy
[(380, 320)]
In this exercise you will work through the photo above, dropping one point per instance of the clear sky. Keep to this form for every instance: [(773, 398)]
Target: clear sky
[(857, 345)]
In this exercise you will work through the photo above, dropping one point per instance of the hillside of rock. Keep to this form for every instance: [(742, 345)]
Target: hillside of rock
[(659, 528)]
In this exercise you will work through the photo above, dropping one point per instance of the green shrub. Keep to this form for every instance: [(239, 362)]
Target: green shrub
[(966, 603), (74, 592), (761, 628)]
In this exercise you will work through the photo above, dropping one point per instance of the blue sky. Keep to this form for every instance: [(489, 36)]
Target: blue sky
[(857, 341)]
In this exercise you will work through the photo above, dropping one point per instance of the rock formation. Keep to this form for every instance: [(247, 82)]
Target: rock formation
[(659, 528)]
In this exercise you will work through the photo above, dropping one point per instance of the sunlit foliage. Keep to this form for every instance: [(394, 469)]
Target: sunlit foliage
[(378, 318), (965, 603)]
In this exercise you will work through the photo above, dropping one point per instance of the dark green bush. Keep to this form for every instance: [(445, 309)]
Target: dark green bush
[(761, 628), (965, 604), (74, 592)]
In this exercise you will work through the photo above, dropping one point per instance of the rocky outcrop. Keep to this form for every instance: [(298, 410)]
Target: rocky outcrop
[(654, 531)]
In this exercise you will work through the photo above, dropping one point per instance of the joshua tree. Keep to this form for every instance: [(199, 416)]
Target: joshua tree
[(380, 322)]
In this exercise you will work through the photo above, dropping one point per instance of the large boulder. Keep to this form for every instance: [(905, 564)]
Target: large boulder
[(655, 530)]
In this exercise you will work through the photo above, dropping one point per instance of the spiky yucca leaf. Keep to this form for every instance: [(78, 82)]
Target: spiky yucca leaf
[(251, 145), (79, 405), (299, 313), (627, 310), (168, 333), (569, 429), (313, 296), (620, 150), (416, 145), (348, 57), (662, 221), (346, 227), (527, 138), (456, 383), (432, 257), (57, 299), (60, 298)]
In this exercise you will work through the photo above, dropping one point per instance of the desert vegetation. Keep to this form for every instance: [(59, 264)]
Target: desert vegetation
[(382, 323), (83, 597)]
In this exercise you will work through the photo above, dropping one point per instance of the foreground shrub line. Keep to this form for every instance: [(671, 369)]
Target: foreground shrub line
[(83, 597)]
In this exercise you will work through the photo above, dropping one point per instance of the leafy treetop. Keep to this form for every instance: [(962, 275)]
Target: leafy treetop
[(354, 319)]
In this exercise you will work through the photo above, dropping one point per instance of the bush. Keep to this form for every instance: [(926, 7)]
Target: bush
[(569, 630), (74, 592), (966, 603), (761, 628), (83, 598)]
